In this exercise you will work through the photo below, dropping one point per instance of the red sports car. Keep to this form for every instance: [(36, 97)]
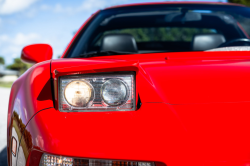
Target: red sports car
[(151, 84)]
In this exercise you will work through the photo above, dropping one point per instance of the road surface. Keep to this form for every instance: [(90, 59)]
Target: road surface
[(4, 100)]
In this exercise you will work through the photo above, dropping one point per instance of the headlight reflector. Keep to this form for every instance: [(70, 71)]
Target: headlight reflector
[(78, 93), (114, 92)]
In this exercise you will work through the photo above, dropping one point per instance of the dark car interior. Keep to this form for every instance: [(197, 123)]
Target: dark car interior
[(126, 42), (176, 30)]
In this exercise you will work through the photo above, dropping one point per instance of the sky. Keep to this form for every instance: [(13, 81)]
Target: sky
[(24, 22)]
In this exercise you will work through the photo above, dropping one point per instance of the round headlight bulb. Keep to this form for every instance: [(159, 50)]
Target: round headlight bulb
[(114, 92), (78, 93)]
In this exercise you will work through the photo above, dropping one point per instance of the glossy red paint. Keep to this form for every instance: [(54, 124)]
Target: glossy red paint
[(186, 114), (192, 75), (29, 94), (188, 134), (174, 2), (36, 53), (195, 110)]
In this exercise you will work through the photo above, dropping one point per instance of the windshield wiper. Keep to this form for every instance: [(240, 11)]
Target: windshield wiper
[(104, 53)]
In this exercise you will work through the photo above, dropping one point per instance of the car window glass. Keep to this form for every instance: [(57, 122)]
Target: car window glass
[(160, 34), (165, 28)]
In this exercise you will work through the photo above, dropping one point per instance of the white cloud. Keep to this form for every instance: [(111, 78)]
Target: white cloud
[(45, 7), (21, 39), (13, 6), (30, 13), (85, 6), (89, 5), (58, 8), (11, 46)]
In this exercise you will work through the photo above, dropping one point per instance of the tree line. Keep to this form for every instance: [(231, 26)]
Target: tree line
[(243, 2), (17, 65)]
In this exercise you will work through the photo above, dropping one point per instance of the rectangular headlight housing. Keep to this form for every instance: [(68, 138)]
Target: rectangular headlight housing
[(103, 92)]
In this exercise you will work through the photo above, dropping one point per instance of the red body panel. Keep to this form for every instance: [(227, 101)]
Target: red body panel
[(194, 134), (183, 79), (190, 113), (195, 111), (173, 2), (36, 53), (29, 94)]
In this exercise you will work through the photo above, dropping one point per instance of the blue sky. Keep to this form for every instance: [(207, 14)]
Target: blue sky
[(24, 22)]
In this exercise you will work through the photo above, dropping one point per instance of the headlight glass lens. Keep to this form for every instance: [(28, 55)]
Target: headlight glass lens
[(78, 93), (114, 92), (104, 92)]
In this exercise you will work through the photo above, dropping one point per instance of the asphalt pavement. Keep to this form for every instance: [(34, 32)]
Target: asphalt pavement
[(4, 100)]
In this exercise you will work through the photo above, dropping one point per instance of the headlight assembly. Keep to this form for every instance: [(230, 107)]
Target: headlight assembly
[(107, 92)]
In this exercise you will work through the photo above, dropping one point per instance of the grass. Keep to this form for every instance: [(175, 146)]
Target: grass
[(6, 84)]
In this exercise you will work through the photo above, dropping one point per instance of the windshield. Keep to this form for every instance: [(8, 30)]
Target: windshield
[(163, 28)]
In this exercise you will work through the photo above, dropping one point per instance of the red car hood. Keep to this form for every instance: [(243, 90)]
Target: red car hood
[(176, 78), (195, 109)]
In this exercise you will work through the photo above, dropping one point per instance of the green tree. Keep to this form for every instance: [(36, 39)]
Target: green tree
[(18, 65), (2, 60), (243, 2)]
